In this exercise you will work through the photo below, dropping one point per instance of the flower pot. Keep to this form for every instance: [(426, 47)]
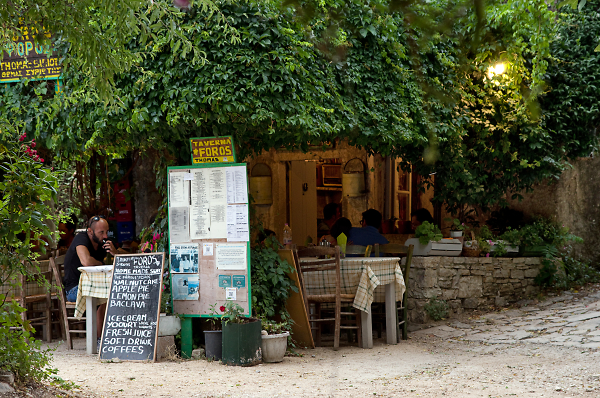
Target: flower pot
[(274, 347), (213, 342), (242, 343), (168, 325), (456, 234)]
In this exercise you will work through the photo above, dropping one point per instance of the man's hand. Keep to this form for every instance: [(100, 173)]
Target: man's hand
[(109, 247)]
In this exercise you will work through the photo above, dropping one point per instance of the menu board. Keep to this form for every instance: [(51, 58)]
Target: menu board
[(131, 321), (209, 237)]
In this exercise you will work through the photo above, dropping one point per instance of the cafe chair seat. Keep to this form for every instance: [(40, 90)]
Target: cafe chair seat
[(322, 259)]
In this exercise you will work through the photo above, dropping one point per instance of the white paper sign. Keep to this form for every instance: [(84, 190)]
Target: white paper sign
[(218, 220), (179, 224), (199, 222), (237, 223), (237, 184), (199, 189), (207, 249), (217, 185), (230, 293), (231, 256), (179, 190)]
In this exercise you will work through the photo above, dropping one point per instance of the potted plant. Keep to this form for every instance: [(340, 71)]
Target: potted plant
[(428, 242), (213, 339), (456, 227), (241, 337), (274, 340)]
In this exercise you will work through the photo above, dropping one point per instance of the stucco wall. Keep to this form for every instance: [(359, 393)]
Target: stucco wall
[(469, 283), (574, 200)]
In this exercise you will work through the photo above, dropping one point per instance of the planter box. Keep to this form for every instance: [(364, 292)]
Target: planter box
[(445, 247), (242, 343), (510, 250), (274, 347)]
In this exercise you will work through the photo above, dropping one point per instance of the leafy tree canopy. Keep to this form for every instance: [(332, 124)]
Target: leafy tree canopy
[(361, 71)]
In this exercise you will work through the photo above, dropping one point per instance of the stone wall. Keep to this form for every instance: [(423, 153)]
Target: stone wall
[(469, 283)]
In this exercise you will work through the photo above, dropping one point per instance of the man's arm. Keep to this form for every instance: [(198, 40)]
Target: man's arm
[(85, 257)]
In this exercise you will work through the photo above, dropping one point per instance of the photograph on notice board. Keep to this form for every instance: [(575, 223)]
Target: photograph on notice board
[(184, 258), (185, 287)]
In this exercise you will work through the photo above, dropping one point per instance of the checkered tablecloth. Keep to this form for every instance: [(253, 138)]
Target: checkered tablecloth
[(92, 284), (360, 276)]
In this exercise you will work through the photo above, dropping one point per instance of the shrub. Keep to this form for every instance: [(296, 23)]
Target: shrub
[(436, 308)]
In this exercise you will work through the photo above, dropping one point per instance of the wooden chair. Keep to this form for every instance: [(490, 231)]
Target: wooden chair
[(34, 296), (308, 265), (359, 251), (397, 250), (68, 321)]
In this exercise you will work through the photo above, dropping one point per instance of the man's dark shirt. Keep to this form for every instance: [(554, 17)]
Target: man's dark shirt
[(72, 261)]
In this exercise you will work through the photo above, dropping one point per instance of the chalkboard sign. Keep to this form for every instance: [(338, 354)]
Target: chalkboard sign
[(131, 321)]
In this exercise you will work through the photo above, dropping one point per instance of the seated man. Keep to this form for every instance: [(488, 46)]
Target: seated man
[(88, 248), (369, 233), (331, 213)]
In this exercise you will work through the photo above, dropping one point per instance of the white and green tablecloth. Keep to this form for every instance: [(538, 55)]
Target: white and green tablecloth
[(92, 284), (362, 277)]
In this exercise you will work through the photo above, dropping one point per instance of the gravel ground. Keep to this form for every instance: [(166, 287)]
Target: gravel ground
[(466, 357)]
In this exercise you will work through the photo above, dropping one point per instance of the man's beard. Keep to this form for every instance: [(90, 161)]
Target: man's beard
[(95, 238)]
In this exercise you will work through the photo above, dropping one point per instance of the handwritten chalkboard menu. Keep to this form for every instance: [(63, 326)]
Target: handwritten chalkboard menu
[(131, 321)]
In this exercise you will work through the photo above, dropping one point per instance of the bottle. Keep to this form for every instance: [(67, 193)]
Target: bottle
[(287, 236)]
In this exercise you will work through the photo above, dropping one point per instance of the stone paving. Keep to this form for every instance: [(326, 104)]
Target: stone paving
[(568, 319)]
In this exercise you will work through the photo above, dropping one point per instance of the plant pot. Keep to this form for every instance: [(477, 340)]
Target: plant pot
[(213, 342), (242, 343), (456, 234), (274, 347), (168, 325)]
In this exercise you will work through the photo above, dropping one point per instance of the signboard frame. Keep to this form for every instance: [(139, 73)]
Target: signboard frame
[(218, 156), (248, 272)]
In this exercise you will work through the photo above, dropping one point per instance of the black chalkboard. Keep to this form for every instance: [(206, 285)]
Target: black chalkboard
[(131, 322)]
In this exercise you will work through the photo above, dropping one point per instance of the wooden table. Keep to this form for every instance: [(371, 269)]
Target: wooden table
[(364, 278), (94, 289)]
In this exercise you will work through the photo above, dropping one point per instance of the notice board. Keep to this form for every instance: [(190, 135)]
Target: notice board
[(132, 313), (209, 237)]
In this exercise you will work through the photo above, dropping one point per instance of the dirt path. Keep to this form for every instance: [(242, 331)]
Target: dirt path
[(445, 360)]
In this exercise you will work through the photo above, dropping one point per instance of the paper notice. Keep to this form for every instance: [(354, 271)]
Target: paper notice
[(237, 184), (207, 249), (179, 190), (179, 224), (199, 189), (237, 223), (217, 185), (199, 222), (218, 221), (230, 293), (184, 258), (185, 287), (231, 256)]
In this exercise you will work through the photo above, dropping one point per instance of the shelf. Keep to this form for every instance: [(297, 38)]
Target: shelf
[(336, 189)]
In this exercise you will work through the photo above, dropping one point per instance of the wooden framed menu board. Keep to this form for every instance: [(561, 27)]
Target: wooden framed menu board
[(209, 240), (132, 313)]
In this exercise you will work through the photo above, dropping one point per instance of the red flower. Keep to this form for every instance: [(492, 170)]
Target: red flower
[(42, 160), (22, 138), (222, 308), (33, 144)]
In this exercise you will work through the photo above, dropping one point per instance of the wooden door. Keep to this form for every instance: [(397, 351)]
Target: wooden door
[(303, 201)]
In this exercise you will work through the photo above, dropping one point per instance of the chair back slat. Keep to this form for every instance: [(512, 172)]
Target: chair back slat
[(363, 251)]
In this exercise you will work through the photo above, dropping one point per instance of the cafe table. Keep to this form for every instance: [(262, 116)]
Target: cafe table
[(365, 277), (94, 289)]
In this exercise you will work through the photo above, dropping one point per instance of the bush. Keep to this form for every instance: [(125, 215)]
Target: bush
[(436, 308)]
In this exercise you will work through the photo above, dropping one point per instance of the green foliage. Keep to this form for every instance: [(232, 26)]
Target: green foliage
[(271, 284), (428, 232), (544, 232), (232, 313), (25, 186), (576, 273), (456, 225), (437, 309), (273, 327)]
